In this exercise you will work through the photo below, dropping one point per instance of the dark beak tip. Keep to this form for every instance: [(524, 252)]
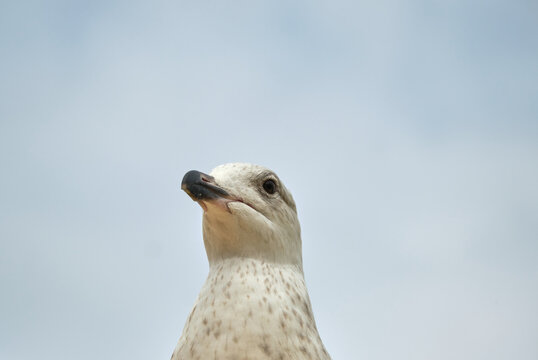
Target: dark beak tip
[(190, 177), (200, 186)]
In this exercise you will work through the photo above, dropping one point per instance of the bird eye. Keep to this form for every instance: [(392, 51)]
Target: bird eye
[(269, 186)]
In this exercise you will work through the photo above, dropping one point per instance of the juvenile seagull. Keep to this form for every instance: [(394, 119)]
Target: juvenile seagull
[(254, 303)]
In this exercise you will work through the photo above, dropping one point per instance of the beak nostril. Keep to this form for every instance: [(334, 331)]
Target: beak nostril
[(204, 179)]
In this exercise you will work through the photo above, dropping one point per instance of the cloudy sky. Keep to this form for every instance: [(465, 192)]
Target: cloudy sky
[(407, 133)]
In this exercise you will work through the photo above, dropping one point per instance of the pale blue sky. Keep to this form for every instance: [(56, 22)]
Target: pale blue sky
[(407, 133)]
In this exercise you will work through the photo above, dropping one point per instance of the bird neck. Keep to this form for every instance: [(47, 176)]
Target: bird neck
[(259, 296), (230, 239), (251, 277)]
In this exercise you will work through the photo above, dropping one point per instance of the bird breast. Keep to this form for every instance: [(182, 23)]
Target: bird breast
[(251, 309)]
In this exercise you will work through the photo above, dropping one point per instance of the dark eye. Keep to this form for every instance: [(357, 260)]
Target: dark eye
[(269, 186)]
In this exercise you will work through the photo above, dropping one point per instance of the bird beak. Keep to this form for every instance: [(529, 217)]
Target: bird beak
[(202, 187)]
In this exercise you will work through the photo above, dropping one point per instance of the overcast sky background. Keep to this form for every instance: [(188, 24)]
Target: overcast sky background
[(406, 131)]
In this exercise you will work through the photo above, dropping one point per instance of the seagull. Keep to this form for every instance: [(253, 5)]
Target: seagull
[(254, 304)]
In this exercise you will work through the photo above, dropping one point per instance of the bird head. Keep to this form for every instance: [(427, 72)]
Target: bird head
[(248, 212)]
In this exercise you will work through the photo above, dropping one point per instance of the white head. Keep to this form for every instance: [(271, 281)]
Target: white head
[(248, 212)]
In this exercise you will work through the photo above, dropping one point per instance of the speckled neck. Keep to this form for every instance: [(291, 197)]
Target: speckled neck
[(249, 306)]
